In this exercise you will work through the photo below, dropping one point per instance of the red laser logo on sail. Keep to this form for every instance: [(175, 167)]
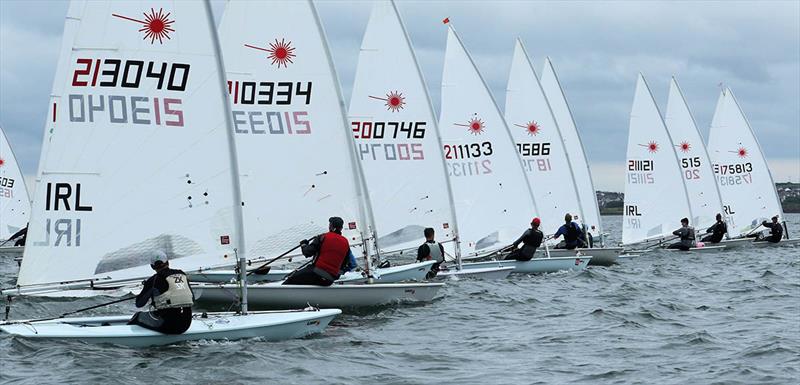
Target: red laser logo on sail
[(475, 125), (685, 146), (394, 101), (2, 162), (742, 152), (280, 52), (532, 127), (652, 146), (157, 26)]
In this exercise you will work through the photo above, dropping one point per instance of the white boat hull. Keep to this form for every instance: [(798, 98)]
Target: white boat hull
[(479, 273), (733, 243), (783, 242), (273, 326), (536, 265), (600, 256), (277, 296), (400, 273)]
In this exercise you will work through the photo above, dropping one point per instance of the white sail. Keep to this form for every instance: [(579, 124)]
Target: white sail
[(694, 162), (745, 182), (655, 197), (15, 205), (396, 137), (294, 149), (572, 143), (139, 164), (492, 196), (538, 140)]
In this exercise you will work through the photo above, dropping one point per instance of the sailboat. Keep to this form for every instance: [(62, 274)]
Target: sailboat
[(539, 142), (590, 212), (309, 191), (695, 164), (742, 173), (655, 195), (15, 204), (140, 162), (493, 199), (296, 147), (396, 134)]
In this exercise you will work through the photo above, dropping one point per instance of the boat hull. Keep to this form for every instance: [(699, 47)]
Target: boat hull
[(478, 273), (536, 265), (272, 326), (600, 256), (277, 296), (400, 273), (704, 249), (783, 242)]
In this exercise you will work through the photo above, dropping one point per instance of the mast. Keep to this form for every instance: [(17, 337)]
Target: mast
[(365, 205), (235, 183), (434, 121), (705, 152), (580, 143), (558, 131)]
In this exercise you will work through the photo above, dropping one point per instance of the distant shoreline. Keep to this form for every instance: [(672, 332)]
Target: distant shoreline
[(611, 203)]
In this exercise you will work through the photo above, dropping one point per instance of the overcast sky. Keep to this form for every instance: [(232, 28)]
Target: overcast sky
[(597, 47)]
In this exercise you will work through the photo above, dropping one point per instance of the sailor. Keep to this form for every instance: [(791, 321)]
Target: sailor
[(716, 231), (573, 235), (431, 251), (531, 239), (592, 234), (775, 231), (331, 253), (686, 233), (171, 296), (586, 234)]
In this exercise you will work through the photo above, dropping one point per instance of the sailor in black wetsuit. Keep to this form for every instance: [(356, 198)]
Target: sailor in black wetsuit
[(431, 250), (686, 234), (172, 300), (775, 231), (531, 239), (717, 231)]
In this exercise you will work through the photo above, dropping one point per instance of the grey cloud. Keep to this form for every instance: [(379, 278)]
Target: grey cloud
[(598, 49)]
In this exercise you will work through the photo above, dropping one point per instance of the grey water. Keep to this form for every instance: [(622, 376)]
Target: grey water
[(730, 318)]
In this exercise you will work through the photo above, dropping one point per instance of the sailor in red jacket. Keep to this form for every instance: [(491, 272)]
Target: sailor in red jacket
[(330, 252)]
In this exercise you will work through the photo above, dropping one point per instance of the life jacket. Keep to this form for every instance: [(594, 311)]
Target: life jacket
[(332, 254), (436, 251), (689, 234), (776, 231), (178, 295), (573, 232)]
